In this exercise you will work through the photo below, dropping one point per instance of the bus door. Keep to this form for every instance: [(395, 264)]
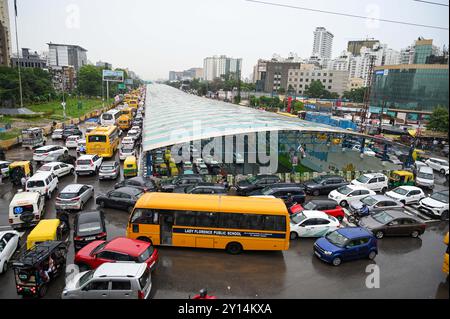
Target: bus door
[(166, 222)]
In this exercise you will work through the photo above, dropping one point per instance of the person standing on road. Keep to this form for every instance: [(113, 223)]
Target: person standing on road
[(23, 181)]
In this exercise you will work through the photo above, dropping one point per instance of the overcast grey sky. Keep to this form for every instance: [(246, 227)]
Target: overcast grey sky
[(153, 37)]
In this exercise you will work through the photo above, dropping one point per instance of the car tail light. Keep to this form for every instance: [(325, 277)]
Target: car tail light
[(78, 238), (141, 294), (101, 235), (75, 199)]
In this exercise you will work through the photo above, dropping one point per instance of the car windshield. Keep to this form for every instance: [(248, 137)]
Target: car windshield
[(298, 218), (400, 191), (440, 197), (337, 239), (425, 175), (318, 180), (363, 179), (382, 217), (369, 201), (32, 184), (310, 206), (85, 278), (344, 190), (68, 195), (2, 245), (146, 254), (107, 116), (251, 179), (89, 227)]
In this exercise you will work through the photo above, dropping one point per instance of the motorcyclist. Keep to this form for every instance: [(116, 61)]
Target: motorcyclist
[(203, 295), (364, 211)]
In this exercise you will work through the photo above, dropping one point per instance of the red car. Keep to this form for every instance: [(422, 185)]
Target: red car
[(117, 250), (327, 206)]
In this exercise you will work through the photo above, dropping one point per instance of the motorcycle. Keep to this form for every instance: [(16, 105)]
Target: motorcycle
[(357, 215), (203, 295)]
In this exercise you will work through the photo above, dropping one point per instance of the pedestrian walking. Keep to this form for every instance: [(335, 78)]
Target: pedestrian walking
[(23, 181)]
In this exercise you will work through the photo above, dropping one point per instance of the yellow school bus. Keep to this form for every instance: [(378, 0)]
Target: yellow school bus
[(210, 221), (124, 122), (445, 263), (133, 103), (128, 112), (103, 141)]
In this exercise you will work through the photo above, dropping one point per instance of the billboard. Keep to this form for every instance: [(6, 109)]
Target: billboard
[(113, 76)]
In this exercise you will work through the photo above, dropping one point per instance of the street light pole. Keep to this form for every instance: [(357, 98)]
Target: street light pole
[(18, 56)]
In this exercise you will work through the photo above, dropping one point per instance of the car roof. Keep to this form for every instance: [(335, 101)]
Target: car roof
[(425, 169), (324, 201), (380, 197), (356, 187), (398, 213), (328, 176), (25, 196), (46, 147), (40, 175), (72, 188), (410, 188), (370, 175), (133, 270), (315, 214), (212, 185), (85, 157), (284, 185), (89, 217), (51, 164), (128, 246), (354, 232), (108, 163), (129, 190)]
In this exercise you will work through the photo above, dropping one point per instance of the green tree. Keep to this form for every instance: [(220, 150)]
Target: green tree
[(355, 95), (315, 89), (90, 81), (281, 91), (439, 120)]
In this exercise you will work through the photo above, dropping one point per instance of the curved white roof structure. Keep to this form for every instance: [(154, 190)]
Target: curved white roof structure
[(174, 117)]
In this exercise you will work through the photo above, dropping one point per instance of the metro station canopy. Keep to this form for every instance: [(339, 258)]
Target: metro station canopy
[(174, 117)]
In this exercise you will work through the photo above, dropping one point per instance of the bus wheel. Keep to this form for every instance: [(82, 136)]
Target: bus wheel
[(234, 248), (146, 239)]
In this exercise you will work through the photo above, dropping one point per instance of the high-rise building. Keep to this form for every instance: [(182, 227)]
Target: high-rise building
[(105, 65), (62, 55), (391, 57), (423, 49), (342, 63), (323, 43), (218, 66), (354, 47), (5, 34)]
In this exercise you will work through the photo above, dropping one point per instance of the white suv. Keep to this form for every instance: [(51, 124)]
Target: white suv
[(121, 280), (350, 193), (438, 165), (88, 164), (436, 204), (377, 182), (49, 153), (44, 183)]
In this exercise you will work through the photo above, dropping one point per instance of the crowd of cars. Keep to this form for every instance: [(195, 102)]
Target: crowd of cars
[(121, 267)]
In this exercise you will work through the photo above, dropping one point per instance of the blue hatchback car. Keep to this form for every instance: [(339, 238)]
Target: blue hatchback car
[(346, 244)]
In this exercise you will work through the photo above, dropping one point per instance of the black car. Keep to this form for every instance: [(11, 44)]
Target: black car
[(323, 185), (146, 185), (169, 185), (253, 183), (71, 131), (202, 188), (292, 193), (67, 159), (88, 227), (123, 198)]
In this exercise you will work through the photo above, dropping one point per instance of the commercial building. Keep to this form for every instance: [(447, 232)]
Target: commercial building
[(355, 83), (5, 34), (104, 65), (424, 49), (29, 60), (354, 47), (219, 66), (64, 79), (62, 55), (323, 43), (412, 89), (271, 76), (334, 81)]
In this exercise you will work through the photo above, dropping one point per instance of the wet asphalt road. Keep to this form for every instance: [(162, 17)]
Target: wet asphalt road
[(409, 268)]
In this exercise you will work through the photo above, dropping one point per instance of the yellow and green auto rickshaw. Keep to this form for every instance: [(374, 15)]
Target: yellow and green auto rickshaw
[(401, 178), (130, 168), (46, 230), (445, 263), (20, 169)]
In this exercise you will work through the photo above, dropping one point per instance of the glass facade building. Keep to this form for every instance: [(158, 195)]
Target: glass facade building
[(410, 87)]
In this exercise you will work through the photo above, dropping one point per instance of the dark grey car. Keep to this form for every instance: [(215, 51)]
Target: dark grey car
[(323, 185), (375, 203), (202, 188), (123, 198)]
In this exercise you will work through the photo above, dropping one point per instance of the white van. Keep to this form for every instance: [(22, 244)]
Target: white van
[(425, 177), (44, 183), (26, 209)]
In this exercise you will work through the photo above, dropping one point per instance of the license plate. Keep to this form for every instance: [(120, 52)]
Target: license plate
[(89, 238)]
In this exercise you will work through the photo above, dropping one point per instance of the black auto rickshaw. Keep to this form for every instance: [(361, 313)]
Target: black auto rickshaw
[(36, 268)]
